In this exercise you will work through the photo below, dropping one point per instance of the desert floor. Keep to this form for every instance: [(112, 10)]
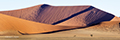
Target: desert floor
[(77, 34)]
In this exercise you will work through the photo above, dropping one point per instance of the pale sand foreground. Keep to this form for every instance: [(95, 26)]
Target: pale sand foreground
[(78, 34)]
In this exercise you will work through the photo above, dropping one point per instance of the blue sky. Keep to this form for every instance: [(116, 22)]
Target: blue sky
[(111, 6)]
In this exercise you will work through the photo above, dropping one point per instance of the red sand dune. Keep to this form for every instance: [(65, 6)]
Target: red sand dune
[(62, 15)]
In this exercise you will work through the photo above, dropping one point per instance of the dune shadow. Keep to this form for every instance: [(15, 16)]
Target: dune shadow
[(107, 17)]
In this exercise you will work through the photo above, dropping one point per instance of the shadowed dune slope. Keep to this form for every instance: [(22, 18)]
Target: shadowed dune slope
[(9, 23), (62, 15)]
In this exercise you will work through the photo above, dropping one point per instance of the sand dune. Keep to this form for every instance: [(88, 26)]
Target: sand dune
[(62, 15), (46, 18), (14, 26), (9, 23)]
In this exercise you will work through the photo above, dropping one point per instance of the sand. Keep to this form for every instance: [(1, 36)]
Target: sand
[(84, 15), (77, 34), (27, 27), (10, 30), (46, 22)]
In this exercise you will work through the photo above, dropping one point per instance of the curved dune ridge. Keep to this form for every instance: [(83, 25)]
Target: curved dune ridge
[(46, 18), (9, 23)]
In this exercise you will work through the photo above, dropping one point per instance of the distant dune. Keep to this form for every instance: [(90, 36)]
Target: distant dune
[(46, 18)]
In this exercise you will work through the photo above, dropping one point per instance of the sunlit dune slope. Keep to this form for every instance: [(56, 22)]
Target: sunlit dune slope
[(8, 23), (62, 15)]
